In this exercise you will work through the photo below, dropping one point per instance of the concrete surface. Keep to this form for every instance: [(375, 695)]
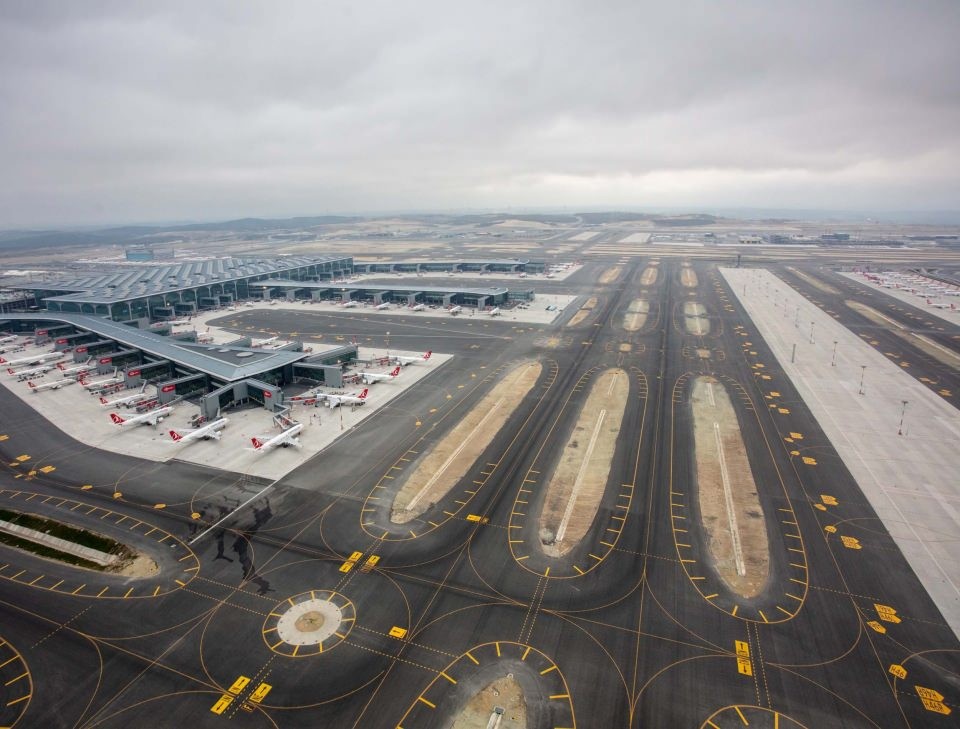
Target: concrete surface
[(908, 474), (918, 300)]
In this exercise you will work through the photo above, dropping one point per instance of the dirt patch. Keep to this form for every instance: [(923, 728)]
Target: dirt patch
[(611, 275), (695, 318), (688, 278), (733, 519), (504, 692), (453, 456), (548, 342), (816, 283), (928, 346), (578, 317), (649, 276), (636, 315), (590, 303), (625, 347), (580, 478), (140, 566)]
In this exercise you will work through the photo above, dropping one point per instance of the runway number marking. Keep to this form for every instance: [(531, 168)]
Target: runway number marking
[(932, 700), (222, 703), (744, 664)]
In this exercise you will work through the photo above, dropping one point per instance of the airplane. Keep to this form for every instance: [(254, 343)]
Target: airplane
[(27, 374), (412, 360), (72, 370), (265, 342), (334, 401), (211, 430), (370, 377), (382, 307), (495, 311), (54, 385), (284, 439), (454, 310), (96, 384), (33, 360), (418, 307), (8, 339), (117, 402), (151, 418), (348, 304)]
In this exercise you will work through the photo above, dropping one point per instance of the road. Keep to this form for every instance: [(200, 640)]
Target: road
[(633, 628)]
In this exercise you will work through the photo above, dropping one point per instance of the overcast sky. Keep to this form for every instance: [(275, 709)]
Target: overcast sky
[(127, 111)]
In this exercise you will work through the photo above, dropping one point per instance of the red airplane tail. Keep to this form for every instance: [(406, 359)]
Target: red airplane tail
[(257, 443), (60, 366), (427, 355), (175, 435), (11, 370), (31, 385), (117, 419), (396, 371), (363, 395), (104, 401)]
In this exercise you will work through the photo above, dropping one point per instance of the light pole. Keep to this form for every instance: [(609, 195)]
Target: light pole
[(903, 410), (811, 332), (833, 362), (796, 320), (863, 371)]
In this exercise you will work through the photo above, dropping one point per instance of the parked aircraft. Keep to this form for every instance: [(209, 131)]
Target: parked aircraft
[(264, 342), (284, 439), (348, 304), (495, 311), (32, 360), (454, 310), (117, 402), (151, 418), (334, 401), (53, 385), (382, 307), (97, 384), (412, 360), (418, 307), (22, 375), (8, 339), (72, 370), (210, 430), (370, 377)]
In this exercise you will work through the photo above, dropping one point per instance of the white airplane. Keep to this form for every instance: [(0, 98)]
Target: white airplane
[(54, 385), (151, 418), (382, 307), (211, 430), (27, 374), (249, 304), (33, 360), (284, 439), (454, 310), (418, 307), (370, 377), (412, 360), (132, 399), (334, 401), (8, 339), (495, 311), (264, 342), (96, 384), (72, 370), (348, 304)]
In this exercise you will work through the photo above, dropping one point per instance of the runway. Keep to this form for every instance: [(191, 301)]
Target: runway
[(633, 628)]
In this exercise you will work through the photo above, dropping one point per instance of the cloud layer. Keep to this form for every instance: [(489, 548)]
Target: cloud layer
[(125, 111)]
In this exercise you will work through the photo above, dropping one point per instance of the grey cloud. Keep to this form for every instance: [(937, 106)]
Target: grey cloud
[(123, 111)]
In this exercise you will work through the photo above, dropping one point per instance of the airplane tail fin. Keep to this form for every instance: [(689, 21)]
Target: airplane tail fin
[(31, 385), (427, 355), (3, 361), (104, 401), (11, 370), (257, 443), (175, 435), (396, 371), (117, 419), (60, 366), (363, 395)]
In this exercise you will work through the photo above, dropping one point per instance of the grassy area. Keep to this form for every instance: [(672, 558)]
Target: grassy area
[(81, 537), (44, 551)]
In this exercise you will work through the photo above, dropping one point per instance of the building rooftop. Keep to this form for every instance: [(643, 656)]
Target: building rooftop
[(135, 283), (222, 362)]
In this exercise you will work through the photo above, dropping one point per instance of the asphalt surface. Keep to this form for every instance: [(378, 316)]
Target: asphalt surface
[(633, 628)]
